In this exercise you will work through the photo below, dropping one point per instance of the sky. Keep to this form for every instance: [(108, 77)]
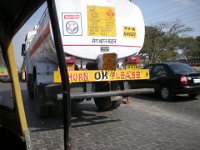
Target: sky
[(154, 11), (186, 11)]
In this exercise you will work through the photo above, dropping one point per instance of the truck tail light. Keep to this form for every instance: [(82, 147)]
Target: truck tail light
[(70, 59), (131, 60), (184, 80)]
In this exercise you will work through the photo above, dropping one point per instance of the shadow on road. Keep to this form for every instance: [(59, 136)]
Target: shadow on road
[(83, 114)]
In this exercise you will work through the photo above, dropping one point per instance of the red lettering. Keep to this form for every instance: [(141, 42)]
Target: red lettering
[(133, 75), (70, 76), (117, 75), (71, 16), (128, 76), (122, 75), (86, 76), (113, 74), (138, 74), (75, 76), (80, 77)]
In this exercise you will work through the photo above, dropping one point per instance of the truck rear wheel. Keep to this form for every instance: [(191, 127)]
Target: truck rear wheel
[(41, 111), (105, 103), (30, 86), (116, 104)]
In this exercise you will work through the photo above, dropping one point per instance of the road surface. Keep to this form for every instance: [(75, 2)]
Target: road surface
[(146, 123)]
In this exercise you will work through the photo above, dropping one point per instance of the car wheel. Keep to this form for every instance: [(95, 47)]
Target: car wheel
[(166, 93), (193, 95)]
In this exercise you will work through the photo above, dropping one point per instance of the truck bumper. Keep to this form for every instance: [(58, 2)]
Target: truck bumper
[(78, 91)]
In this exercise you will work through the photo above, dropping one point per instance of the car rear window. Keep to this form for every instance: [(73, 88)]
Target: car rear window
[(182, 69)]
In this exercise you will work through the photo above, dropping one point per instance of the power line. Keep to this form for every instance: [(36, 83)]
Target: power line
[(171, 6), (163, 8), (187, 15), (172, 13), (183, 16)]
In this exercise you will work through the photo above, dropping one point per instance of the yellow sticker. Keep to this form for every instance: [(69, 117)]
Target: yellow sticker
[(103, 75), (101, 21), (131, 66), (130, 32)]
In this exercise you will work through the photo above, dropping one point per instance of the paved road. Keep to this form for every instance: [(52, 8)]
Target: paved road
[(146, 123)]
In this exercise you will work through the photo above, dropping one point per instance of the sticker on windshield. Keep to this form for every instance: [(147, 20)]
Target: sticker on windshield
[(72, 24)]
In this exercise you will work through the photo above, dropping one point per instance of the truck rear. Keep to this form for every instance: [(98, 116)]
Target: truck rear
[(100, 41)]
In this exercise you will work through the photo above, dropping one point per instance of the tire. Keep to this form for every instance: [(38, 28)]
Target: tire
[(103, 103), (193, 95), (30, 86), (41, 111), (78, 100), (166, 93), (116, 104)]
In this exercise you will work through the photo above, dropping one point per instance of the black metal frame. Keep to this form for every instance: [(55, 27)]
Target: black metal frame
[(64, 74)]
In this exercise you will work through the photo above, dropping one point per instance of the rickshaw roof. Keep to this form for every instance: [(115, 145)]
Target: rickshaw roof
[(17, 12)]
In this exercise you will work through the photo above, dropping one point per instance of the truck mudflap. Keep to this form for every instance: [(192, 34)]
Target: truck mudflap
[(103, 75)]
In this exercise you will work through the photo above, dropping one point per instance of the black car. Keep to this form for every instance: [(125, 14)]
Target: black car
[(171, 78)]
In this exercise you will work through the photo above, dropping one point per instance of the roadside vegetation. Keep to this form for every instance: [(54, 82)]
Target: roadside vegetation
[(197, 68), (168, 41)]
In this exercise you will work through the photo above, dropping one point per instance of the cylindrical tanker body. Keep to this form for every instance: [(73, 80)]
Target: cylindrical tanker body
[(100, 38), (40, 45), (90, 28)]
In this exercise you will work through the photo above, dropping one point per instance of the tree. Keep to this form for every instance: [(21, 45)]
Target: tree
[(197, 51), (162, 39), (190, 47)]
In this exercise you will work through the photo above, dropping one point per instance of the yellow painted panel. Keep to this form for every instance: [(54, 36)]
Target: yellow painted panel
[(131, 66), (103, 75), (16, 86), (101, 21), (130, 32)]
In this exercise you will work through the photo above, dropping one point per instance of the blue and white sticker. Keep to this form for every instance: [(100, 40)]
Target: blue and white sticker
[(72, 27), (72, 24)]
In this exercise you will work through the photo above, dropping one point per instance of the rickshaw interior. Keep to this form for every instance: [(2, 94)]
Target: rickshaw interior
[(13, 125)]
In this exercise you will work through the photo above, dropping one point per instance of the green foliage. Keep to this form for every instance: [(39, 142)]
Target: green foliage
[(162, 41), (167, 55), (190, 47)]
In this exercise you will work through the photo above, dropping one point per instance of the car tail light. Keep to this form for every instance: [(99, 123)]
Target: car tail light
[(184, 80)]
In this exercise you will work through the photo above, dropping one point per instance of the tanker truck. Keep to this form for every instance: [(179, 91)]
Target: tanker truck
[(100, 40)]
